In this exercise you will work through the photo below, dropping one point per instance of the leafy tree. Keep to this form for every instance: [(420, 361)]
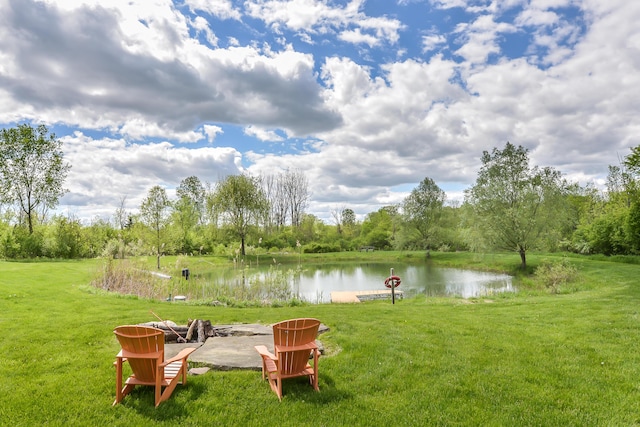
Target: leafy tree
[(192, 191), (32, 170), (514, 205), (422, 209), (240, 202), (633, 226), (632, 161), (632, 164), (188, 209), (348, 218), (154, 212), (345, 220), (378, 227), (97, 235), (66, 238), (311, 228)]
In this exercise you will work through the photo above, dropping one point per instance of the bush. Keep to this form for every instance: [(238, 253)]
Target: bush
[(555, 274), (321, 248)]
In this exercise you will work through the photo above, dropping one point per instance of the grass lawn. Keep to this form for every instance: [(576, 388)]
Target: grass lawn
[(534, 358)]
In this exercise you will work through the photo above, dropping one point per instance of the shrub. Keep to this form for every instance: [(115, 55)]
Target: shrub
[(555, 274), (321, 248)]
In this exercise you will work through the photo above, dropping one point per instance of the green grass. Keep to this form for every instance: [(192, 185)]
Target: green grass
[(535, 358)]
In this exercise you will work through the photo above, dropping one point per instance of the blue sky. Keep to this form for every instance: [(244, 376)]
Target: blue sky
[(367, 98)]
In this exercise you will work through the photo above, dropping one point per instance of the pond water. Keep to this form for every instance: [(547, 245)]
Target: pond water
[(314, 283)]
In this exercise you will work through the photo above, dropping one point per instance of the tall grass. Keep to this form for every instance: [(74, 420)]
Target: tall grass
[(243, 288), (533, 358)]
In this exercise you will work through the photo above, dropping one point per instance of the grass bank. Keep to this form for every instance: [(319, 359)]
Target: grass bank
[(528, 359)]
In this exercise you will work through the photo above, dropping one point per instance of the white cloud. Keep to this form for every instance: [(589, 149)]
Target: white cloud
[(262, 134), (202, 25), (106, 170), (212, 131), (480, 38), (537, 17), (319, 17), (374, 125), (432, 42), (144, 76), (223, 9), (139, 129), (356, 37)]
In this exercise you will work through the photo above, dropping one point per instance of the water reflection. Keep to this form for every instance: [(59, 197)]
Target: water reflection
[(314, 283), (435, 281)]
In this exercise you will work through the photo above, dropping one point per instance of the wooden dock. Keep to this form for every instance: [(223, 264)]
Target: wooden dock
[(359, 296)]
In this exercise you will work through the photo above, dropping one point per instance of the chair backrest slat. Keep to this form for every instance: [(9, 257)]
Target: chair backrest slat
[(292, 333), (142, 340)]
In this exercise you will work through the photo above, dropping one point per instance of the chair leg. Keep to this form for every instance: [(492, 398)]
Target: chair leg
[(118, 364), (315, 370), (184, 372), (279, 391), (168, 390), (121, 392)]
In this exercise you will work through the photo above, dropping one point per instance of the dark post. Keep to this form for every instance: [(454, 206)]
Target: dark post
[(393, 288)]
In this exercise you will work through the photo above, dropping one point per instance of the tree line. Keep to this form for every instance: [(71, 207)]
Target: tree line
[(512, 206)]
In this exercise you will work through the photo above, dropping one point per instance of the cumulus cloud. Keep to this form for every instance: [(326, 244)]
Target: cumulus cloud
[(212, 131), (262, 134), (432, 42), (104, 171), (320, 17), (223, 9), (85, 67), (364, 122)]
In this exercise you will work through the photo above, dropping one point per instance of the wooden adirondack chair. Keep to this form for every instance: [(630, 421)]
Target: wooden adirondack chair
[(294, 343), (143, 349)]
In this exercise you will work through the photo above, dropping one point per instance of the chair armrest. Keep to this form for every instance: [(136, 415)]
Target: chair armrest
[(184, 353), (264, 352), (124, 354), (285, 348)]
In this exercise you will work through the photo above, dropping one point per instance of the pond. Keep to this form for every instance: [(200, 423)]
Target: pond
[(314, 283)]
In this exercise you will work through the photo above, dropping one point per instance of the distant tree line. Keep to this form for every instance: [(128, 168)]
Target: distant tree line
[(512, 206)]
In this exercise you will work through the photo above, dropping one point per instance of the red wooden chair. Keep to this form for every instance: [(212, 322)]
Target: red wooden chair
[(143, 349), (294, 344)]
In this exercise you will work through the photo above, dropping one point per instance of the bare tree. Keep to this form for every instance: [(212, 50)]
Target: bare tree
[(336, 214), (296, 190), (288, 195), (121, 217), (276, 215)]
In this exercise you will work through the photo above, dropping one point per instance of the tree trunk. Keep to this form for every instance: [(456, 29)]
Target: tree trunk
[(201, 334), (523, 258)]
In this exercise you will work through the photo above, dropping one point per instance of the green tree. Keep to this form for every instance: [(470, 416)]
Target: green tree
[(66, 239), (515, 205), (632, 165), (348, 217), (154, 212), (240, 202), (378, 227), (32, 170), (188, 210), (422, 209)]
